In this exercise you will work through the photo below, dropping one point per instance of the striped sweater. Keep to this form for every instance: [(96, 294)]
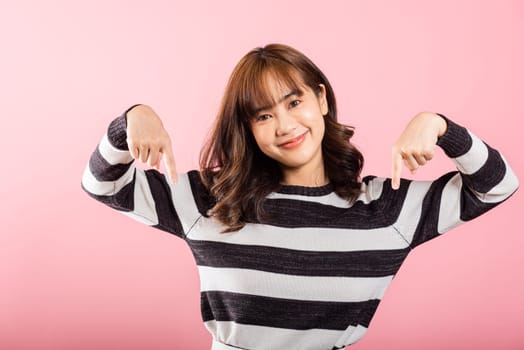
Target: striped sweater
[(313, 275)]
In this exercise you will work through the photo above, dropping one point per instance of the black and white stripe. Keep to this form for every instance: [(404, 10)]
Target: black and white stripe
[(313, 274), (363, 263)]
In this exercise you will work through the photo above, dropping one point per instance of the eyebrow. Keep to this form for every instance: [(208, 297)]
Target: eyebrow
[(294, 92)]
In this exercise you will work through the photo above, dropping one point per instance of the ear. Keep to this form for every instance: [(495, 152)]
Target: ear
[(322, 99)]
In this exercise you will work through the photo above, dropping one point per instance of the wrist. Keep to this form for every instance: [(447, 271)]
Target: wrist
[(442, 124), (134, 109)]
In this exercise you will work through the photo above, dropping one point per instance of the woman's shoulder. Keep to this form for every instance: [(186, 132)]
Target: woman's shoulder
[(372, 186), (201, 194), (379, 188)]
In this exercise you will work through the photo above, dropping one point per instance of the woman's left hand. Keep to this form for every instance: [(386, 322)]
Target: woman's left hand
[(416, 144)]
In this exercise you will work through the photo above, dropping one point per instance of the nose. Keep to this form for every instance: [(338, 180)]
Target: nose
[(286, 123)]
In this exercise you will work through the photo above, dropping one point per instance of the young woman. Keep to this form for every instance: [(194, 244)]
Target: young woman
[(294, 249)]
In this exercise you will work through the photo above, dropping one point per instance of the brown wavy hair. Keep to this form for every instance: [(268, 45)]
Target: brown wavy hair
[(233, 168)]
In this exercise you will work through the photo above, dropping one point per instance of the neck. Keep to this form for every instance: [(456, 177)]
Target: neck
[(307, 175)]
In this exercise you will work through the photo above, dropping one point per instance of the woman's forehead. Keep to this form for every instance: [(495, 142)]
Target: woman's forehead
[(279, 86), (274, 87)]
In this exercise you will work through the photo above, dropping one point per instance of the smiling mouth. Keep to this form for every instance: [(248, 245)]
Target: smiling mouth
[(294, 142)]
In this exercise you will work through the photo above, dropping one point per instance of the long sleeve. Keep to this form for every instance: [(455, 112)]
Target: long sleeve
[(483, 180), (144, 195)]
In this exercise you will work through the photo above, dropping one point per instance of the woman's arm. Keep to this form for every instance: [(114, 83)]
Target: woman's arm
[(145, 195), (483, 178)]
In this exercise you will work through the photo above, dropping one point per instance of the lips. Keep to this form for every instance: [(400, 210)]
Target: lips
[(294, 142)]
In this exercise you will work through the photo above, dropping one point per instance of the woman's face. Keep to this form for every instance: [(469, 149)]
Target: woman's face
[(291, 131)]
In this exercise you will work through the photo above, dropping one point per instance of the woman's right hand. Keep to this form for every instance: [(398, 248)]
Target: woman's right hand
[(148, 141)]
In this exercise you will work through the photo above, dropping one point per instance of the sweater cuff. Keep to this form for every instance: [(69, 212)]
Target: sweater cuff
[(117, 131), (456, 141)]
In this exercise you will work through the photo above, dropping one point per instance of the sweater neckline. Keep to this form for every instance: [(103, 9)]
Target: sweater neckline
[(306, 190)]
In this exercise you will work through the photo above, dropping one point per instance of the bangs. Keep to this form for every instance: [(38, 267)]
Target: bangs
[(255, 90)]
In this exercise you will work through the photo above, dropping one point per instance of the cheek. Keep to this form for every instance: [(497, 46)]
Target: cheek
[(318, 124), (313, 113), (262, 136)]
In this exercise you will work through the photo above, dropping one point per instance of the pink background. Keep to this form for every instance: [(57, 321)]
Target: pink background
[(77, 275)]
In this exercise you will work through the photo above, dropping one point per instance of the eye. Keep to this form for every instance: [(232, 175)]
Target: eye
[(294, 103), (263, 117)]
